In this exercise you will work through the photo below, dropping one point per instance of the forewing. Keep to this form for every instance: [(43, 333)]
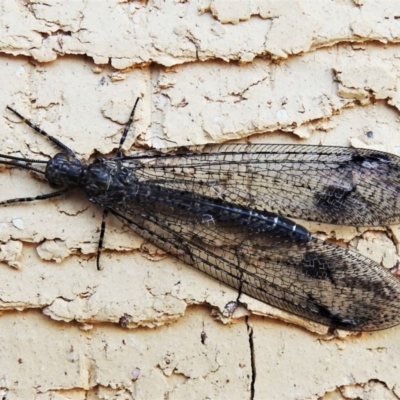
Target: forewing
[(317, 183), (310, 278)]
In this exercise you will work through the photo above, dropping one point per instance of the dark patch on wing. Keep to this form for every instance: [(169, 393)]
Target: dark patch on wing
[(314, 265), (333, 196), (370, 158), (336, 321)]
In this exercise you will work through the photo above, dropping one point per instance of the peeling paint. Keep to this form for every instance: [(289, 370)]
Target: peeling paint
[(148, 326)]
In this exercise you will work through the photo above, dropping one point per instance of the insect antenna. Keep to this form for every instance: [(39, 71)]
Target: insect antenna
[(27, 161), (16, 162), (24, 163)]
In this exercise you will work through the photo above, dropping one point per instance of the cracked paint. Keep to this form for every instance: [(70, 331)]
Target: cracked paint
[(195, 30), (147, 326)]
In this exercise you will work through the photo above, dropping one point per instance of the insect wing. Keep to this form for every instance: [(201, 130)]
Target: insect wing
[(304, 276), (325, 184)]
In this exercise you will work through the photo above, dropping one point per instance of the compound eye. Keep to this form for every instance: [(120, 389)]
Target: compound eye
[(56, 185)]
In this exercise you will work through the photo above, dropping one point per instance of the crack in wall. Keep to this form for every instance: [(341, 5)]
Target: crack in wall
[(252, 359)]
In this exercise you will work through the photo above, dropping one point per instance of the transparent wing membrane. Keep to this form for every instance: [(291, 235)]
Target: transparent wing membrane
[(335, 185), (280, 266)]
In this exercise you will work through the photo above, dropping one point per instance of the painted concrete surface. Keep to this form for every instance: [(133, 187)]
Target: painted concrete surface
[(147, 326)]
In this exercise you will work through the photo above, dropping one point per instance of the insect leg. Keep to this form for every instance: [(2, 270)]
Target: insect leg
[(230, 307), (105, 211), (43, 133), (126, 129), (101, 238), (39, 197)]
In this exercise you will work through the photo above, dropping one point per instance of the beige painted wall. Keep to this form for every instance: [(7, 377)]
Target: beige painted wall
[(314, 72)]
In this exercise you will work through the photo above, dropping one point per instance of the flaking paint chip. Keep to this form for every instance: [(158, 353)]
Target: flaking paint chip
[(18, 223), (10, 253), (55, 250)]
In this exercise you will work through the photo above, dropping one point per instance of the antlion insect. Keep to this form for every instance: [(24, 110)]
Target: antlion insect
[(219, 211)]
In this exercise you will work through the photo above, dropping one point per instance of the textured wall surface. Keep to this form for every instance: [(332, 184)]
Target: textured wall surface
[(208, 71)]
